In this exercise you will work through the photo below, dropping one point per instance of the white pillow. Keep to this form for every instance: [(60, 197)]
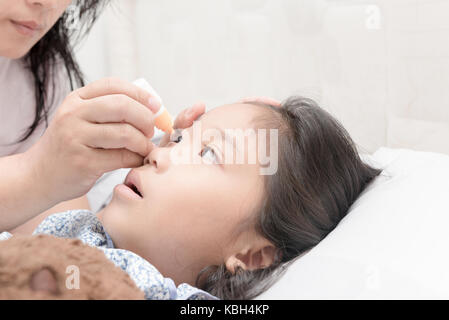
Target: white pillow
[(393, 243)]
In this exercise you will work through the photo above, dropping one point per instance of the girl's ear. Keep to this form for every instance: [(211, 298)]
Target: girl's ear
[(253, 257)]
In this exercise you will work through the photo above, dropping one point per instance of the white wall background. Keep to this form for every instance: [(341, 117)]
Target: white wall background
[(380, 66)]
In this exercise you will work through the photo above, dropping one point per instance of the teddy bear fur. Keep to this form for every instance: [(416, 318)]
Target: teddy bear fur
[(42, 267)]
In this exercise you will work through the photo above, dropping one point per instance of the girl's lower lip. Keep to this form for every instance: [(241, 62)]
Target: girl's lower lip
[(24, 30), (127, 192)]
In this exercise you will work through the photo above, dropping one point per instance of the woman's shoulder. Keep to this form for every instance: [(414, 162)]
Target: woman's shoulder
[(18, 107), (17, 88)]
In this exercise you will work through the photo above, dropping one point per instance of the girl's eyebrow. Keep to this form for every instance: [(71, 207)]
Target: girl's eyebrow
[(228, 138)]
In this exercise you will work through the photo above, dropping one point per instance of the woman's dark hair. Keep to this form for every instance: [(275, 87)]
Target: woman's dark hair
[(57, 45), (320, 175)]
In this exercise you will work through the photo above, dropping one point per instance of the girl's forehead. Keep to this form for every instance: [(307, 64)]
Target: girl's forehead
[(232, 115)]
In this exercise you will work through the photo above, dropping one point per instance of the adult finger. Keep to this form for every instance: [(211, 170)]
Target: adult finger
[(113, 159), (186, 118), (119, 108), (110, 86), (116, 136)]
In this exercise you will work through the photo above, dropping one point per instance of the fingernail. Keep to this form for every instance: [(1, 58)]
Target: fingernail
[(155, 104)]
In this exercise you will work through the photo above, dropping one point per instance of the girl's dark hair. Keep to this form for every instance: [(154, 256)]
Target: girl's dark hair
[(320, 175), (57, 45)]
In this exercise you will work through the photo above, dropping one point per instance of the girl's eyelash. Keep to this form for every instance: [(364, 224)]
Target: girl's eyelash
[(176, 135), (207, 147)]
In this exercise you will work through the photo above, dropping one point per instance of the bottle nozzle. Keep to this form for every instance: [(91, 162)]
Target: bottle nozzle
[(164, 121)]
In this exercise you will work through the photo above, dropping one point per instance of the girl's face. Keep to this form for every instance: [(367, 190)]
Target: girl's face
[(24, 22), (190, 214)]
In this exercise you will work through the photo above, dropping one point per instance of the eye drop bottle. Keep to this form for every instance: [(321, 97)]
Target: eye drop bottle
[(163, 119)]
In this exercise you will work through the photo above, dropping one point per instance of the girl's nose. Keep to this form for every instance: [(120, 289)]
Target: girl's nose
[(148, 160), (158, 158)]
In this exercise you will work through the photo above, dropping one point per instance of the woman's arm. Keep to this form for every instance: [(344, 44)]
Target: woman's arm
[(23, 194), (86, 138), (28, 227)]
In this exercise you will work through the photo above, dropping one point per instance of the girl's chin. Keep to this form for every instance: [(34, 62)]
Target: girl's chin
[(108, 209)]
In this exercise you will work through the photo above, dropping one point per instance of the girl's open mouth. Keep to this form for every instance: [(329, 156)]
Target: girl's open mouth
[(134, 188), (132, 181)]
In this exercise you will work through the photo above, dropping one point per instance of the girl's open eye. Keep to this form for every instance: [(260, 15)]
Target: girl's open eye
[(209, 155), (176, 136)]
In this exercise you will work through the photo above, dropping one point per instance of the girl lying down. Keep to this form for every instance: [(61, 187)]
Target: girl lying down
[(211, 226)]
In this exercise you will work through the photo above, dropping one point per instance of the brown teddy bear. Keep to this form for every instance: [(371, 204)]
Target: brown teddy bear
[(46, 267)]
